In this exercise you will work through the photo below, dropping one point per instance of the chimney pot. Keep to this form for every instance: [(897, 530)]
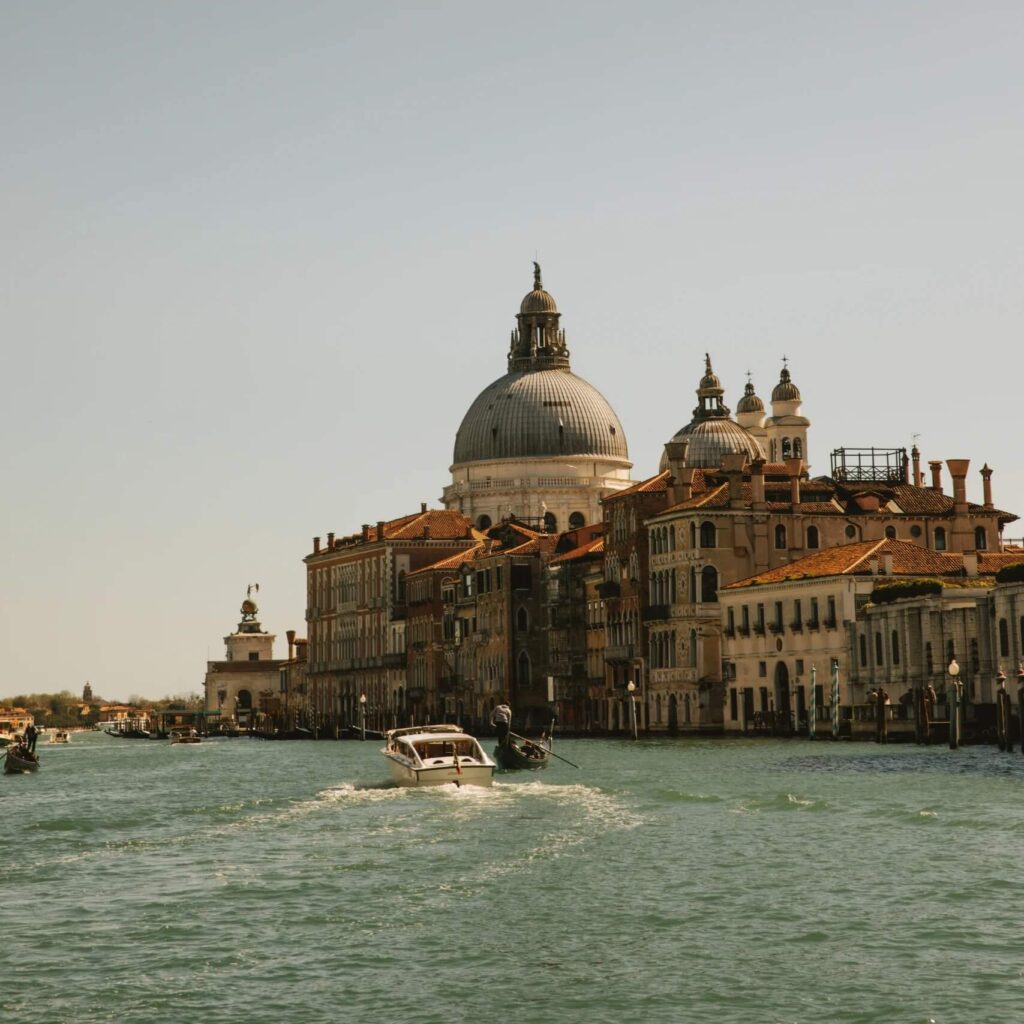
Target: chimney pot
[(986, 477), (935, 465), (316, 545), (330, 542), (423, 506), (915, 454), (380, 529), (366, 532)]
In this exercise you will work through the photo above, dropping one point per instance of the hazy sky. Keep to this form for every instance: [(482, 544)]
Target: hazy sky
[(259, 258)]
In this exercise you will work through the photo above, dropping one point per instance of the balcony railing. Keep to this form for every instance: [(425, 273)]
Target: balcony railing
[(796, 626), (743, 631), (776, 627), (759, 629), (813, 624), (830, 623), (619, 652)]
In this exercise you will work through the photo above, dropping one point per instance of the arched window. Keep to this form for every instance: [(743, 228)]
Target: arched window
[(895, 647), (709, 583), (940, 538), (863, 651), (798, 448), (523, 669), (879, 656), (890, 532), (550, 522), (787, 448), (671, 538), (576, 520), (707, 535), (775, 450), (693, 583), (812, 537), (780, 537), (693, 535), (483, 523), (1004, 638), (851, 531), (522, 620), (980, 538)]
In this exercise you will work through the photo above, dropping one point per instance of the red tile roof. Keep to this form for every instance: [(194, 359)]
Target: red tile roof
[(460, 558), (651, 485), (593, 547), (855, 559)]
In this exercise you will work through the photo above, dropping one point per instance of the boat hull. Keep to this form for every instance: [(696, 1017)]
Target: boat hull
[(13, 764), (510, 757), (441, 775)]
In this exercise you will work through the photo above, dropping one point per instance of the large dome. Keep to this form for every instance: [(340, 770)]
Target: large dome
[(536, 414)]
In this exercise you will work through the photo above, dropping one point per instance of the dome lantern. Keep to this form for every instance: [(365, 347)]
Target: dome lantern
[(538, 343)]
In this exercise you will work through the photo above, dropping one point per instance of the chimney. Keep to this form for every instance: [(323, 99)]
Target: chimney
[(366, 532), (958, 471), (906, 467), (732, 465), (291, 643), (330, 542), (936, 468), (316, 545), (795, 468), (380, 529), (887, 563), (675, 460), (423, 507), (986, 476), (971, 564), (915, 454), (757, 484), (426, 532)]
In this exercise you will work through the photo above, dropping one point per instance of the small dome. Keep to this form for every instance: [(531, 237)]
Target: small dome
[(538, 301), (712, 439), (749, 402), (249, 607), (710, 381), (785, 390)]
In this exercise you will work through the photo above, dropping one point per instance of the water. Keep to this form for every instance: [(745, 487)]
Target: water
[(240, 881)]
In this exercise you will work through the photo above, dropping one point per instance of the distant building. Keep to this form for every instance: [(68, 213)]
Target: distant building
[(248, 679)]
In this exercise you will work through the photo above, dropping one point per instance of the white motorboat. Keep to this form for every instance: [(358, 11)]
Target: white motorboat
[(185, 736), (59, 736), (432, 755)]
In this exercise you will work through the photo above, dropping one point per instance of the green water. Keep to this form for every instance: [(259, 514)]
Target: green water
[(665, 881)]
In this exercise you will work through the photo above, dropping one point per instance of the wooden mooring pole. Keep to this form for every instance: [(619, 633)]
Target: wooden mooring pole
[(1004, 714)]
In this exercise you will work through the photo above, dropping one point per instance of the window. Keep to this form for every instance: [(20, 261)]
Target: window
[(709, 583), (812, 537), (576, 520), (879, 656), (1004, 639), (745, 619), (550, 522), (254, 655), (483, 523), (980, 538), (780, 537), (798, 615), (764, 694), (798, 448), (975, 657), (707, 535), (731, 621), (733, 706), (929, 666), (787, 448), (799, 666), (523, 669), (522, 620), (940, 538), (895, 647), (778, 615), (851, 531), (890, 532), (693, 535), (693, 648), (915, 531), (762, 671), (759, 621), (863, 651), (831, 619), (814, 613)]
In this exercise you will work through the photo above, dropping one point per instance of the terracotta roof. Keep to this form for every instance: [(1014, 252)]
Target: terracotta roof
[(442, 523), (541, 543), (460, 558), (854, 559), (993, 561), (650, 485), (593, 547)]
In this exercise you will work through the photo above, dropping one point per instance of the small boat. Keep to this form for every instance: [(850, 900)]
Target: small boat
[(432, 755), (59, 736), (18, 759), (185, 736), (517, 753)]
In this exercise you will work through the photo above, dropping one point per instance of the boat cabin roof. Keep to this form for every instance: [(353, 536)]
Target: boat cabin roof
[(413, 732)]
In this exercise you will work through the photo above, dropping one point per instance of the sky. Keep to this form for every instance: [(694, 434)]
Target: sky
[(260, 258)]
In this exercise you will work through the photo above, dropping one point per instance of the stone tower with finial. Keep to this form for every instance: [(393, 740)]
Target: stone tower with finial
[(249, 642), (786, 428)]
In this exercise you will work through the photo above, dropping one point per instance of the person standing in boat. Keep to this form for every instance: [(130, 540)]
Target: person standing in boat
[(501, 719), (31, 734)]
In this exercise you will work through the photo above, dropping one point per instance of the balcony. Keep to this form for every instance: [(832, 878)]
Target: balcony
[(654, 613), (743, 631), (729, 631), (796, 626), (776, 627), (830, 623), (619, 652), (813, 626), (759, 629)]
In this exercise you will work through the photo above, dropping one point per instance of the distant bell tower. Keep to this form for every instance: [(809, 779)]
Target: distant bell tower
[(87, 693)]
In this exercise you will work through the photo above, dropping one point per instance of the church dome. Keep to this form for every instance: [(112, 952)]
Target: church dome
[(785, 390), (536, 414), (712, 439), (749, 402), (538, 301)]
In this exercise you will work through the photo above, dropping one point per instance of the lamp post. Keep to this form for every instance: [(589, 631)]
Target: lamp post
[(955, 691), (631, 690), (362, 716)]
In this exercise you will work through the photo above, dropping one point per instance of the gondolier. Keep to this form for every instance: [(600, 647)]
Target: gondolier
[(501, 719)]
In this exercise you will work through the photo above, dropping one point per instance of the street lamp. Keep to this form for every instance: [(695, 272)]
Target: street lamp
[(362, 716), (631, 690)]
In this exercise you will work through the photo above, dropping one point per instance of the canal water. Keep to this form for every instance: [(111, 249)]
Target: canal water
[(668, 881)]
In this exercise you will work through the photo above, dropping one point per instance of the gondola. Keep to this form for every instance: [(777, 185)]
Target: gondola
[(517, 754), (19, 760)]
